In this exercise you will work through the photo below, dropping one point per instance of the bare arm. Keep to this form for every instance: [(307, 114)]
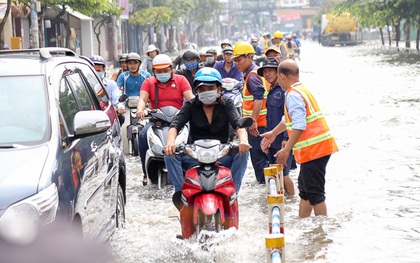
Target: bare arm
[(141, 104), (170, 147), (253, 130), (188, 95), (115, 75), (270, 136), (283, 154), (243, 140)]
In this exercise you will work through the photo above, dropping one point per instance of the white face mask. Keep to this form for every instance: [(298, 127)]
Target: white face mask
[(208, 97), (210, 60)]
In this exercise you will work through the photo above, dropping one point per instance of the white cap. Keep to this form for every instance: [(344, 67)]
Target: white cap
[(151, 48)]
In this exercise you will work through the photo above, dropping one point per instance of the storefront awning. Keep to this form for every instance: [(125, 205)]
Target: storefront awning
[(78, 15)]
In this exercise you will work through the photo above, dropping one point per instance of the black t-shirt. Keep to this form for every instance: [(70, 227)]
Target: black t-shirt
[(224, 113)]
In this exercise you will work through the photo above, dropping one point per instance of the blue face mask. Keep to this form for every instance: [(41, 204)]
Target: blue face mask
[(105, 99), (100, 75), (191, 65), (163, 77)]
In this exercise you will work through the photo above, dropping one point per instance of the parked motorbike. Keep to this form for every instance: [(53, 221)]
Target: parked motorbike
[(157, 138), (135, 125), (208, 200)]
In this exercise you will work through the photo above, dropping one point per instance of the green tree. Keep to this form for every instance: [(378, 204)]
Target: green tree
[(104, 16), (87, 7), (3, 22)]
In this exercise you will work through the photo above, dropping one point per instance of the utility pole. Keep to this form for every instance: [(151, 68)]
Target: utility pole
[(34, 25), (151, 29)]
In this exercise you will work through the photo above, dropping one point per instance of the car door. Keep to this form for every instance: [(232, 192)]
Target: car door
[(86, 159)]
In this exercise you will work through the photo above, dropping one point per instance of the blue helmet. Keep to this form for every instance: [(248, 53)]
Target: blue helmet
[(207, 75), (97, 60)]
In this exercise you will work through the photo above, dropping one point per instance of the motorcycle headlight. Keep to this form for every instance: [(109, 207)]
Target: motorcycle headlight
[(207, 155), (40, 208)]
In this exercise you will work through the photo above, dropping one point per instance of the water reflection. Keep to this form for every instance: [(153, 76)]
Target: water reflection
[(371, 102)]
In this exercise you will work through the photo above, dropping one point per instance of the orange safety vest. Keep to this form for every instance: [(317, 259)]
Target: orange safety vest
[(285, 48), (266, 44), (248, 101), (316, 141)]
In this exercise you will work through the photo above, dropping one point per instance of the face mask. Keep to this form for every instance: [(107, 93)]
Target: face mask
[(191, 65), (100, 75), (163, 77), (210, 60), (105, 99), (208, 97)]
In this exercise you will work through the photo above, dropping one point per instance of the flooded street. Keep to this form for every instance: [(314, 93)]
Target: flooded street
[(371, 99)]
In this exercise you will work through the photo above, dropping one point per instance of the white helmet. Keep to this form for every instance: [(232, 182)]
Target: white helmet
[(161, 61), (193, 46)]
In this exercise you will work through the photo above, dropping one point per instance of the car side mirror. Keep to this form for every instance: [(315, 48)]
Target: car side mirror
[(90, 122)]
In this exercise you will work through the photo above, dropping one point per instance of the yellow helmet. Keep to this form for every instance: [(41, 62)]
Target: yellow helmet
[(242, 48), (278, 34)]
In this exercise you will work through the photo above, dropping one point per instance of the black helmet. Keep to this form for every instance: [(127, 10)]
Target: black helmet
[(133, 56), (123, 57), (190, 54)]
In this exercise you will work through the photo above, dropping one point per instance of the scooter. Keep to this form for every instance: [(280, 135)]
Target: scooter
[(232, 89), (208, 200), (135, 125), (157, 134)]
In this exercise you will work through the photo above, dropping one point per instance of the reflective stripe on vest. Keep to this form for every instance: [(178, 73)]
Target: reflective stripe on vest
[(316, 141), (248, 101)]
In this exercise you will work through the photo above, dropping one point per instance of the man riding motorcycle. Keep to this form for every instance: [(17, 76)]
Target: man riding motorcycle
[(209, 116), (164, 89)]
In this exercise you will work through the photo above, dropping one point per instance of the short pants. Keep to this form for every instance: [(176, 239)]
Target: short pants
[(311, 180)]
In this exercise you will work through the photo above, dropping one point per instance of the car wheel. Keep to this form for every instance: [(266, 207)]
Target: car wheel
[(120, 209)]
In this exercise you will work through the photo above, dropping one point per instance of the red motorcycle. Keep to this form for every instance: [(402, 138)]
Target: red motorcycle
[(208, 196)]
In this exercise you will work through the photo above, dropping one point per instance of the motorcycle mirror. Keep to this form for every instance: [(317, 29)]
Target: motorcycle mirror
[(123, 98), (245, 122)]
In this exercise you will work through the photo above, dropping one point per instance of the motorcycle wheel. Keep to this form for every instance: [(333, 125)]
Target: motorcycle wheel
[(208, 222), (161, 180), (135, 144)]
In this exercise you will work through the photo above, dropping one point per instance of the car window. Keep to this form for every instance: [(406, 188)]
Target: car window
[(75, 93), (91, 79), (80, 91), (68, 103), (23, 114)]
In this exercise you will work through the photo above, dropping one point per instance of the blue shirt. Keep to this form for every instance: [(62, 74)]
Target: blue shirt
[(233, 72), (132, 83), (275, 112), (296, 107)]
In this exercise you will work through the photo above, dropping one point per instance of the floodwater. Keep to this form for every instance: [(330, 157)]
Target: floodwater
[(371, 99)]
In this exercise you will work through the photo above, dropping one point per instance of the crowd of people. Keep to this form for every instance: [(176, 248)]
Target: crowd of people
[(287, 122)]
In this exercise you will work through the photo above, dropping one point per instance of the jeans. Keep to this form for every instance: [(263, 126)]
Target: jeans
[(143, 145), (175, 164), (258, 158)]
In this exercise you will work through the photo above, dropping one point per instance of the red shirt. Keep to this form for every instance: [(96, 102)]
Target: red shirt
[(171, 95)]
